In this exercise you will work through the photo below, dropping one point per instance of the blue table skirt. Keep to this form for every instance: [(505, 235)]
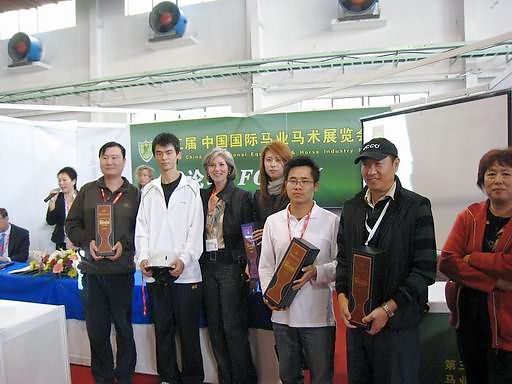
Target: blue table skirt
[(48, 289)]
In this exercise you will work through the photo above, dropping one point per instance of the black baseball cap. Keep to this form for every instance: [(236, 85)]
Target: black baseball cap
[(377, 149)]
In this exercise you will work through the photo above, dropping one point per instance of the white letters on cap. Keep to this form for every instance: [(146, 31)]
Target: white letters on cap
[(369, 146)]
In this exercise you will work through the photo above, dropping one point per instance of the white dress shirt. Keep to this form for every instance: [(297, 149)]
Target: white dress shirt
[(6, 244), (312, 306)]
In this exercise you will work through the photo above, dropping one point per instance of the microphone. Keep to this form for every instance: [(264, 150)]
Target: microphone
[(53, 193)]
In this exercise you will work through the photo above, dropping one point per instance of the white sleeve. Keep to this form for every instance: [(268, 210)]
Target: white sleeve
[(267, 264), (194, 242)]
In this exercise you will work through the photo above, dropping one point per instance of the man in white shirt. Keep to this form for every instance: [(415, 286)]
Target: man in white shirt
[(169, 243), (308, 324)]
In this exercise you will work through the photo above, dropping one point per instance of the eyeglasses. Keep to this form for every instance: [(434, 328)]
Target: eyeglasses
[(300, 182)]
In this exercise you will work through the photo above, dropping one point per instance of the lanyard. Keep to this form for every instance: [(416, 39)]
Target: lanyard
[(371, 231), (114, 200), (304, 227)]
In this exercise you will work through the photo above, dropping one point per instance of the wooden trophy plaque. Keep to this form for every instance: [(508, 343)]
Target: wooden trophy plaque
[(299, 254), (252, 254), (363, 284), (105, 229)]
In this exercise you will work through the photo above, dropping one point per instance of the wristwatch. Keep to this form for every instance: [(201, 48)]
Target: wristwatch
[(388, 310)]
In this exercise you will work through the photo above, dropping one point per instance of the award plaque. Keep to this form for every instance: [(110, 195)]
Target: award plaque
[(252, 254), (105, 229), (364, 283), (299, 254)]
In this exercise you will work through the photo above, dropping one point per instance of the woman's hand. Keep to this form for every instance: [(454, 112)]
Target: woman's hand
[(257, 235), (504, 285), (51, 203)]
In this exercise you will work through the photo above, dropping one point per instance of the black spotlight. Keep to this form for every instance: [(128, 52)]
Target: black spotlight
[(359, 9), (167, 21), (24, 49)]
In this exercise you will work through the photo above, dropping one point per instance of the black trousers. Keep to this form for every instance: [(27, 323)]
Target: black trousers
[(176, 310), (482, 364), (109, 299), (225, 300), (389, 357)]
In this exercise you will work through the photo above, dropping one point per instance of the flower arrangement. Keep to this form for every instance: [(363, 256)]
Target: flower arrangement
[(61, 263)]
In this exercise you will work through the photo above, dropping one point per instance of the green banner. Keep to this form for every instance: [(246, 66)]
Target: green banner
[(331, 138)]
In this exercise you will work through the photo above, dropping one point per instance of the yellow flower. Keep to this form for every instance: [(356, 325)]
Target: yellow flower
[(72, 273)]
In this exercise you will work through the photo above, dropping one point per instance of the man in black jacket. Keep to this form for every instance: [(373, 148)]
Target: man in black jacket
[(110, 280), (14, 240), (398, 227)]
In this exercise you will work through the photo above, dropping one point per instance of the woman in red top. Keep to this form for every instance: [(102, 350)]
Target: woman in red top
[(477, 257)]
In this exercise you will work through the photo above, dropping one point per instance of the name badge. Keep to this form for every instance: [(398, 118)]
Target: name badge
[(212, 245)]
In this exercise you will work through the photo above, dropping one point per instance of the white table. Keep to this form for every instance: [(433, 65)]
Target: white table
[(436, 298), (33, 344)]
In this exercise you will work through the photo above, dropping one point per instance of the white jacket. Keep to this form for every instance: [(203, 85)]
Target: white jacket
[(163, 234)]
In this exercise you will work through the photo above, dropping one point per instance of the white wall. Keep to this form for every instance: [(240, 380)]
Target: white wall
[(33, 155), (107, 43)]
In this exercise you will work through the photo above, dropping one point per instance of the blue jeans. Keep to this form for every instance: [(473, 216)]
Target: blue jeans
[(225, 301), (318, 346)]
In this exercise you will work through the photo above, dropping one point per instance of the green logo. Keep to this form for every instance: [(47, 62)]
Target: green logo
[(145, 150)]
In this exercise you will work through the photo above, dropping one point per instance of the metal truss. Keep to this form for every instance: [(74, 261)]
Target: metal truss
[(342, 60)]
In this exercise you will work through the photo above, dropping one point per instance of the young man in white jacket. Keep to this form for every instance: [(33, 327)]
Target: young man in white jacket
[(169, 243)]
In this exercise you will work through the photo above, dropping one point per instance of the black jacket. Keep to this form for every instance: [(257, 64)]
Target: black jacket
[(264, 208), (406, 234), (19, 243), (238, 211), (81, 225), (57, 217)]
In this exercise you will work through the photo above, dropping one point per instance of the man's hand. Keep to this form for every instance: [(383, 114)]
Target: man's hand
[(378, 319), (504, 285), (272, 307), (93, 249), (177, 268), (118, 249), (345, 313), (309, 274), (466, 259), (144, 268), (257, 235)]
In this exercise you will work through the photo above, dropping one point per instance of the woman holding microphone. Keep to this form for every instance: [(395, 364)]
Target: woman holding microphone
[(59, 205)]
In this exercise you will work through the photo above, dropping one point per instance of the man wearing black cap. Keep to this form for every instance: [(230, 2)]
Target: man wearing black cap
[(395, 227)]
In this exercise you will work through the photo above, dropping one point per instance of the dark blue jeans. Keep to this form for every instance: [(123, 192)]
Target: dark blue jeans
[(389, 357), (316, 345), (176, 309), (109, 299), (225, 300)]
